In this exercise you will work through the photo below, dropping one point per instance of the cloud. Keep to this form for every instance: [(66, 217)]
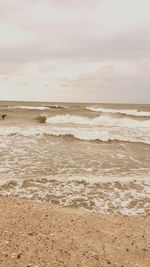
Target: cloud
[(35, 30), (70, 3), (127, 81), (70, 46)]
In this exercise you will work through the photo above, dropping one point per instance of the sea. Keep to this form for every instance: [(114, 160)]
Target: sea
[(88, 156)]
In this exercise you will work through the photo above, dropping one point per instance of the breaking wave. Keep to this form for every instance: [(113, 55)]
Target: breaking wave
[(29, 107), (42, 118), (91, 134), (131, 112), (103, 120), (56, 106), (45, 107)]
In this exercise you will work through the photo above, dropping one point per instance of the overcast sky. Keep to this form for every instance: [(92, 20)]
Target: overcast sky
[(75, 50)]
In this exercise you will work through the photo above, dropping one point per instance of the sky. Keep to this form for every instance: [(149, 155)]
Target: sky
[(75, 50)]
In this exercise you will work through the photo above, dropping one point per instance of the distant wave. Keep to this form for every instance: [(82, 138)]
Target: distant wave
[(91, 134), (29, 107), (55, 106), (103, 120), (132, 112), (45, 107)]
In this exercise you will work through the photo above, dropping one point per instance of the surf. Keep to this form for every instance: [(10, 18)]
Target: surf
[(29, 107), (130, 112), (102, 120), (87, 133)]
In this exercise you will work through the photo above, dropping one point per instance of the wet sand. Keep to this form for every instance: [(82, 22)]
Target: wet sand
[(40, 235)]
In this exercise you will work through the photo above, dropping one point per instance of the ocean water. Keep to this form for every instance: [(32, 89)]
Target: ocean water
[(91, 156)]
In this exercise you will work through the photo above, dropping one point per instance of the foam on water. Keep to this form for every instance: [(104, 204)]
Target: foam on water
[(128, 197), (94, 133), (29, 107), (102, 120), (56, 106), (132, 112), (39, 159)]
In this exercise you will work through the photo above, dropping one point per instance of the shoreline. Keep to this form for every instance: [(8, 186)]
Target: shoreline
[(40, 235)]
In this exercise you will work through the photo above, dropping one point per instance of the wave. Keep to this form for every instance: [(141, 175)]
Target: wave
[(42, 118), (103, 120), (45, 107), (56, 106), (91, 134), (130, 112), (29, 107)]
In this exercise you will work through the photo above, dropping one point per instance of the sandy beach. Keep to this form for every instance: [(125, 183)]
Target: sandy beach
[(74, 133), (40, 235)]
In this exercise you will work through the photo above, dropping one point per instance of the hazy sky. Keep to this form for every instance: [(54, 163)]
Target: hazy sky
[(75, 50)]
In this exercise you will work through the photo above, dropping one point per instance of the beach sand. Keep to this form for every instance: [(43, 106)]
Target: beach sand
[(40, 235)]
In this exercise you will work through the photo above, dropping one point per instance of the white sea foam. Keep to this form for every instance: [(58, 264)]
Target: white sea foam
[(69, 190), (45, 107), (29, 107), (94, 133), (55, 106), (132, 112), (103, 120)]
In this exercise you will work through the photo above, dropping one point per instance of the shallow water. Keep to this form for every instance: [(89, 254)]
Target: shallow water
[(98, 160)]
